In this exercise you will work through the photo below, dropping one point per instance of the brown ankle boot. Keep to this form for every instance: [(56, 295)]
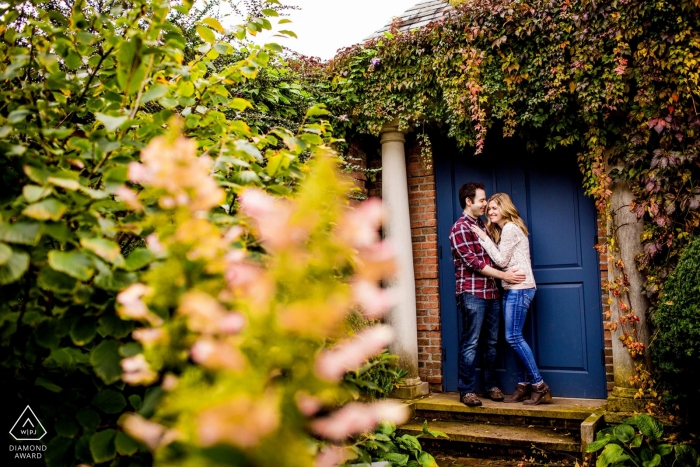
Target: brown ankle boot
[(521, 393), (540, 393)]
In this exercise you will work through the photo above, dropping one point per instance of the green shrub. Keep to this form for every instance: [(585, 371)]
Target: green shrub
[(638, 442), (675, 348)]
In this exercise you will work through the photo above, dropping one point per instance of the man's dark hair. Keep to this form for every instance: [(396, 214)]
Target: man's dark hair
[(468, 190)]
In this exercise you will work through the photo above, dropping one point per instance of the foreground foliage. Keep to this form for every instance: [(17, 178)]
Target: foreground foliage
[(638, 442), (86, 87)]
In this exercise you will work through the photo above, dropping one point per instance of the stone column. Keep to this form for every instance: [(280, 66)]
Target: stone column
[(628, 238), (397, 229)]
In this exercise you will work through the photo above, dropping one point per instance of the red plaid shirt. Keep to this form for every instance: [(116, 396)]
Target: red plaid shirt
[(470, 258)]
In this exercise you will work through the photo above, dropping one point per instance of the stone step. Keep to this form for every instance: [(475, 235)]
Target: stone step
[(562, 413), (502, 436)]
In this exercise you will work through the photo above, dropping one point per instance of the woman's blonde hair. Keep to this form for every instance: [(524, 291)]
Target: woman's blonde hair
[(510, 213)]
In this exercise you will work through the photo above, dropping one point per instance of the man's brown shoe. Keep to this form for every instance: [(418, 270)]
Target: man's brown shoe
[(471, 400), (496, 395), (521, 393), (540, 393)]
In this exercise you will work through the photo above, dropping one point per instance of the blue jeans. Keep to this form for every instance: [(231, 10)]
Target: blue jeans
[(480, 320), (516, 304)]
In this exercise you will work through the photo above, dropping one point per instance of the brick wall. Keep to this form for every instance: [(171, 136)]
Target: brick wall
[(607, 333)]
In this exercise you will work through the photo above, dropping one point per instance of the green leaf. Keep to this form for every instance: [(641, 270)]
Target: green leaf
[(154, 92), (686, 455), (88, 419), (654, 462), (649, 426), (609, 455), (65, 179), (66, 427), (427, 460), (138, 259), (274, 164), (116, 280), (34, 193), (105, 249), (109, 401), (624, 432), (74, 263), (206, 34), (125, 445), (112, 325), (239, 104), (396, 458), (214, 24), (135, 401), (110, 122), (54, 281), (636, 441), (5, 253), (317, 110), (663, 449), (83, 331), (14, 267), (287, 32), (46, 384), (24, 233), (596, 445), (105, 360), (102, 446), (48, 209)]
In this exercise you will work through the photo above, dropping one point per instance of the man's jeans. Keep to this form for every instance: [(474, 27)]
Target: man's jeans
[(480, 318), (516, 304)]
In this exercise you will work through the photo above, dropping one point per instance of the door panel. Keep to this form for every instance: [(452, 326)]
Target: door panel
[(564, 323)]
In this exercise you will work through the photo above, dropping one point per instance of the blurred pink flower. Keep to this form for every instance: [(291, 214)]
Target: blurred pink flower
[(129, 197), (148, 336), (377, 261), (374, 300), (217, 355), (241, 421), (355, 418), (204, 313), (137, 371), (333, 363), (232, 323), (308, 405), (332, 456), (132, 307), (154, 244), (151, 434), (175, 167), (169, 382), (359, 227), (272, 219)]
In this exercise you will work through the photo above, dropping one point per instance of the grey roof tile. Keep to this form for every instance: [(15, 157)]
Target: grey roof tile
[(418, 16)]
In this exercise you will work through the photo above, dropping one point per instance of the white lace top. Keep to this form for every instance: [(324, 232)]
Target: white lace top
[(512, 252)]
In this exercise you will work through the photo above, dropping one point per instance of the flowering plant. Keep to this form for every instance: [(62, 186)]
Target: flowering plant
[(236, 312)]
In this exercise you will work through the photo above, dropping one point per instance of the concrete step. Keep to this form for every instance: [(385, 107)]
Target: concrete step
[(562, 413), (503, 436)]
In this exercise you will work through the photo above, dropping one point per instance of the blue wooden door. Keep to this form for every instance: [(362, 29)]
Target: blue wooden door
[(564, 324)]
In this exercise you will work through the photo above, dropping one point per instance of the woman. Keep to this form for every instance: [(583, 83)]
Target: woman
[(511, 250)]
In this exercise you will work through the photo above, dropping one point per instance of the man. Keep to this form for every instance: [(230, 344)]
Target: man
[(478, 298)]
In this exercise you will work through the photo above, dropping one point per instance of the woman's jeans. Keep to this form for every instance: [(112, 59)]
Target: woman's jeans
[(480, 319), (516, 304)]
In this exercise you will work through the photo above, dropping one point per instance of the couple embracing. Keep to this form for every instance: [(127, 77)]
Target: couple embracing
[(482, 254)]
